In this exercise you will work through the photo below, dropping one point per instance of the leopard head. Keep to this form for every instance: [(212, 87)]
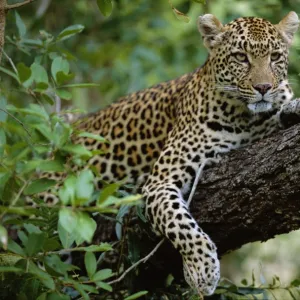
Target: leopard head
[(249, 59)]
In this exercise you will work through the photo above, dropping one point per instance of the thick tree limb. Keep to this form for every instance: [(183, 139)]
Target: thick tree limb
[(252, 194)]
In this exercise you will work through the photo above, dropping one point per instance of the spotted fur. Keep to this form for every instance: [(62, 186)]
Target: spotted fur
[(166, 133)]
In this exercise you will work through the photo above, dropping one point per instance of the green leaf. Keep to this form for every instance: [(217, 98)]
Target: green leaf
[(22, 211), (39, 73), (67, 192), (84, 186), (40, 164), (44, 277), (24, 167), (35, 243), (2, 142), (180, 15), (51, 244), (140, 213), (78, 150), (41, 87), (20, 25), (90, 263), (134, 247), (59, 64), (66, 238), (10, 269), (3, 103), (104, 286), (107, 191), (136, 295), (34, 110), (69, 31), (48, 99), (80, 289), (57, 296), (296, 282), (69, 219), (54, 262), (38, 186), (64, 94), (3, 237), (89, 288), (61, 78), (10, 73), (30, 228), (124, 210), (86, 226), (95, 248), (129, 200), (35, 43), (105, 6), (102, 275), (23, 71), (4, 179), (42, 296), (80, 85), (61, 134), (51, 166), (23, 237), (93, 136)]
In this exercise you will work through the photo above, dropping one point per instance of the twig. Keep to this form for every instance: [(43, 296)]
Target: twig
[(17, 120), (17, 5), (16, 198), (10, 61), (144, 259), (199, 172), (57, 104)]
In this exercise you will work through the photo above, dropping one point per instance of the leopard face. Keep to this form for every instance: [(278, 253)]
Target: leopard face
[(250, 59)]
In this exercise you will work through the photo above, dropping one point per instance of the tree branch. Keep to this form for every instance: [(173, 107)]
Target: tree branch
[(252, 195), (17, 5), (2, 25)]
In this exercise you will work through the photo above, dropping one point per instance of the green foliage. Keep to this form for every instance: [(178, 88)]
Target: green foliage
[(34, 140), (105, 7), (272, 291)]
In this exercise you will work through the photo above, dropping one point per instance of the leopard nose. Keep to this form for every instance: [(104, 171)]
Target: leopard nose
[(262, 88)]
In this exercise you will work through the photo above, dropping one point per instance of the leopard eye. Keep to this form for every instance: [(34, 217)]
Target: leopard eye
[(275, 56), (241, 57)]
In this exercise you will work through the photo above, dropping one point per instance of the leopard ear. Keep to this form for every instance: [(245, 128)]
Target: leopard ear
[(211, 30), (288, 26)]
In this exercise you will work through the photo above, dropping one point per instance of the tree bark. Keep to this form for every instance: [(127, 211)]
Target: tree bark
[(252, 195), (2, 25)]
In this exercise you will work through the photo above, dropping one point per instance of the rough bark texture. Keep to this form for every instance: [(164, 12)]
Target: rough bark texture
[(2, 25), (252, 194)]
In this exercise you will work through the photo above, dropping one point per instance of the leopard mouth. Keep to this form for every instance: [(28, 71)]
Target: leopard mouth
[(260, 106)]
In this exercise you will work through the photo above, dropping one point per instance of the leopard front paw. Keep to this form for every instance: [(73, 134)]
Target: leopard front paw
[(290, 113), (202, 268)]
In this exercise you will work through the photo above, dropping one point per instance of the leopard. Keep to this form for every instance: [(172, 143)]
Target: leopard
[(160, 137)]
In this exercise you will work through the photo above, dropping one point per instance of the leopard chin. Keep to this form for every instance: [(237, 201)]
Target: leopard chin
[(260, 106)]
